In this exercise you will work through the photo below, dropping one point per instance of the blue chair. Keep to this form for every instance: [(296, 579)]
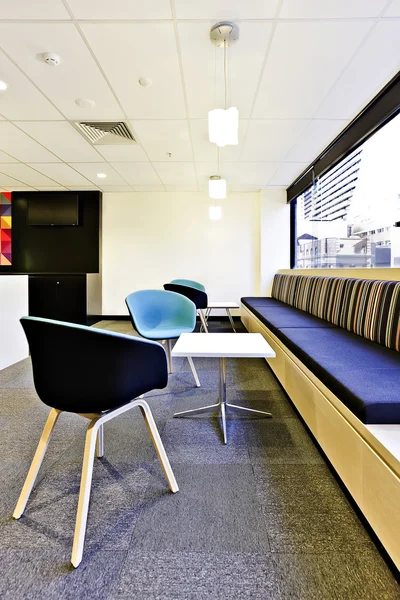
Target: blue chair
[(162, 315), (190, 283), (96, 374)]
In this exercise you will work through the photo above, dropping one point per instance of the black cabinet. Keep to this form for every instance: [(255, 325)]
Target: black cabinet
[(60, 297)]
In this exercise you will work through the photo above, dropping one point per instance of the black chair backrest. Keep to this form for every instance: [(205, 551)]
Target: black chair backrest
[(84, 370), (197, 296)]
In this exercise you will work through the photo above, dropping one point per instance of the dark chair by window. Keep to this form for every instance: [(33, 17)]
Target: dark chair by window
[(197, 296), (96, 374)]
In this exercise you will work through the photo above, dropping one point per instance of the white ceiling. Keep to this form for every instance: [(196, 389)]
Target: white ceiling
[(299, 73)]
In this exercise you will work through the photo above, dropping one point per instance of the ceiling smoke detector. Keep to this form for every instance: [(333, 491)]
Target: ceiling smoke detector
[(85, 103), (51, 59)]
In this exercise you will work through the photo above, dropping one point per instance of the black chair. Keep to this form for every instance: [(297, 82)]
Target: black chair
[(96, 374), (197, 296)]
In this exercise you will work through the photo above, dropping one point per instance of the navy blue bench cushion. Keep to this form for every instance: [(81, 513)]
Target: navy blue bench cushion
[(364, 375), (276, 317), (255, 301)]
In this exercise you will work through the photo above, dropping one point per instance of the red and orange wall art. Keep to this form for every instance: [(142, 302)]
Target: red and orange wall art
[(5, 229)]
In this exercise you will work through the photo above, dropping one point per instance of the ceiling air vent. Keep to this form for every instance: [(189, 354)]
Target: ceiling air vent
[(106, 133)]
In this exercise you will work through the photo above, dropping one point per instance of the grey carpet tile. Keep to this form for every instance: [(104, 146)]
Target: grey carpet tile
[(198, 440), (204, 516), (334, 576), (271, 401), (116, 501), (299, 530), (45, 573), (196, 576), (307, 488), (15, 402), (282, 441), (12, 372), (24, 380)]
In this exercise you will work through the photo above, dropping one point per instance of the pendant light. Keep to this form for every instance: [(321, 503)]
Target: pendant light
[(223, 123), (217, 187)]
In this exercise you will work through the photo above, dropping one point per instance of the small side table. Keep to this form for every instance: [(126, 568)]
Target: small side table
[(226, 305), (223, 346)]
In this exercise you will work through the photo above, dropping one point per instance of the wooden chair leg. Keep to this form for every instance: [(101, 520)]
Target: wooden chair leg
[(159, 446), (100, 442), (84, 493), (36, 462)]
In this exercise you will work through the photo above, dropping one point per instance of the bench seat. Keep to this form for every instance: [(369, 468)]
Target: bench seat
[(363, 374)]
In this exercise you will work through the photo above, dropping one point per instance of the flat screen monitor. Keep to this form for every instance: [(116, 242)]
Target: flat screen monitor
[(53, 210)]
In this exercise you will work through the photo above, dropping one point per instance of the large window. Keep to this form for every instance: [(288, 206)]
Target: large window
[(348, 217)]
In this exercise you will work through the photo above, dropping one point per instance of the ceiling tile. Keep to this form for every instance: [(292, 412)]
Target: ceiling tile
[(6, 180), (22, 100), (82, 188), (116, 188), (60, 172), (18, 144), (61, 138), (271, 140), (316, 137), (203, 66), (304, 61), (138, 173), (17, 188), (120, 9), (40, 10), (394, 9), (152, 52), (123, 153), (181, 188), (315, 9), (286, 173), (77, 76), (27, 175), (53, 188), (226, 9), (90, 170), (205, 151), (254, 173), (373, 66), (6, 158), (160, 137), (149, 188), (177, 173)]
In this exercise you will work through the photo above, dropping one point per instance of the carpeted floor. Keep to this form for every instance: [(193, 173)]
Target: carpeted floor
[(262, 518)]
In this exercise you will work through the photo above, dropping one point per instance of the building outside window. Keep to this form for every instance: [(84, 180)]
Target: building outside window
[(348, 217)]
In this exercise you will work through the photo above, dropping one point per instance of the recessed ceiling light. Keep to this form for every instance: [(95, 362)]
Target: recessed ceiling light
[(85, 103), (101, 175), (3, 86)]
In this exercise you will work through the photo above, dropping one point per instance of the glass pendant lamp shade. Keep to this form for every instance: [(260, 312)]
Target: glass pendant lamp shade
[(217, 187), (223, 126), (215, 213)]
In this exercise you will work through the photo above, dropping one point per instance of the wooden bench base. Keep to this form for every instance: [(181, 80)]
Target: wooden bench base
[(368, 469)]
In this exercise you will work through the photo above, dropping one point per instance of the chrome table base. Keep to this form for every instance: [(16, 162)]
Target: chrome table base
[(222, 404)]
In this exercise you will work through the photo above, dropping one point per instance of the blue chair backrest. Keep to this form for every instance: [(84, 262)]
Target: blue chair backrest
[(190, 283), (150, 308)]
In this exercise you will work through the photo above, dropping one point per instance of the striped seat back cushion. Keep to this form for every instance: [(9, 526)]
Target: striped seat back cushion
[(368, 308), (284, 288)]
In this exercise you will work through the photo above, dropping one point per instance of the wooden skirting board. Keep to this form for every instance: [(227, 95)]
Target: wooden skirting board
[(369, 471)]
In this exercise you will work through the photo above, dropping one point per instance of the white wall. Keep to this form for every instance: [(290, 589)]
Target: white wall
[(274, 236), (150, 238), (13, 306)]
